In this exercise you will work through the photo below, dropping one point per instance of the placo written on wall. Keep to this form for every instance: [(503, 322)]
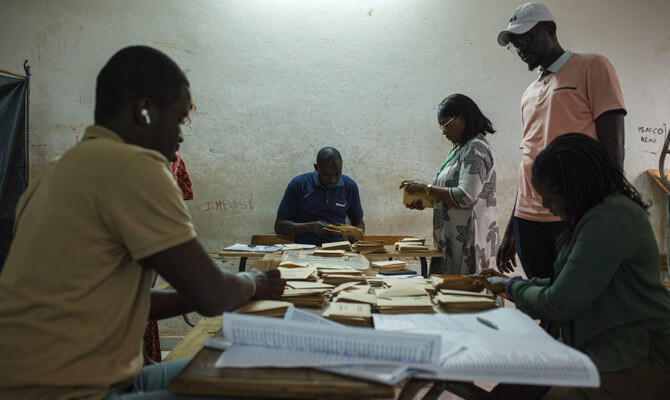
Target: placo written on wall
[(276, 81)]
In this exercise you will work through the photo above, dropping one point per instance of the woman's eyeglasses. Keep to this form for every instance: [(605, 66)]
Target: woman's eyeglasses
[(444, 126)]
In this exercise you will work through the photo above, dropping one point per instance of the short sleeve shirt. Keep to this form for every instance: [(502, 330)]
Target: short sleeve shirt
[(306, 200), (74, 299), (569, 100)]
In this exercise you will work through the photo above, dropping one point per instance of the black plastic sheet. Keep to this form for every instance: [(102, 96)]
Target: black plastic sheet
[(13, 153)]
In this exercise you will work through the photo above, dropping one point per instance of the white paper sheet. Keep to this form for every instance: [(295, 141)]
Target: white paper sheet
[(508, 320), (519, 351), (344, 341), (297, 315)]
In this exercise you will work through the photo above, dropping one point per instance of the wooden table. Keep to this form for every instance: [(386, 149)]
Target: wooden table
[(391, 252), (195, 338), (200, 377)]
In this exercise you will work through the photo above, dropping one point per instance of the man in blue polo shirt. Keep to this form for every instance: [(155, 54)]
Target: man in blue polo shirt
[(316, 199)]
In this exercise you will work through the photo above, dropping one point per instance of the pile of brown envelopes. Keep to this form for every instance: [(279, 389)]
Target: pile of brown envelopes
[(306, 293), (328, 253), (411, 244), (348, 232), (404, 299), (265, 308), (341, 245), (457, 301), (308, 273), (454, 282), (367, 246), (336, 275), (387, 266), (357, 314)]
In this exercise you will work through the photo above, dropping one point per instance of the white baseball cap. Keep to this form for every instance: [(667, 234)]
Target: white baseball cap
[(524, 19)]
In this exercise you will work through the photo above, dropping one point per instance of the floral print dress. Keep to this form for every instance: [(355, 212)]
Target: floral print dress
[(468, 235)]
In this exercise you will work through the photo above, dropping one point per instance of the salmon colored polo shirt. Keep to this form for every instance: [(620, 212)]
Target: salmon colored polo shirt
[(578, 89)]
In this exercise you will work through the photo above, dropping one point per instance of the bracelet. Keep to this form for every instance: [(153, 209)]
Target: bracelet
[(508, 286), (252, 280), (429, 187)]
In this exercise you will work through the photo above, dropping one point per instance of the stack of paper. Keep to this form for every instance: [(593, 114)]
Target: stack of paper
[(349, 313), (266, 308), (305, 297), (409, 240), (351, 287), (336, 278), (328, 253), (463, 301), (374, 281), (402, 290), (411, 244), (501, 345), (348, 232), (308, 285), (336, 275), (386, 266), (366, 246), (299, 273), (405, 305), (342, 245), (355, 296), (293, 264), (426, 200), (269, 342), (453, 282), (419, 282)]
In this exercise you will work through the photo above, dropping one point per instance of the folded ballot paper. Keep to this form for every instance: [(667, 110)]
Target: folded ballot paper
[(270, 342)]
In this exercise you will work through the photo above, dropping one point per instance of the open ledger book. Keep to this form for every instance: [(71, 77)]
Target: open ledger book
[(508, 348), (271, 342)]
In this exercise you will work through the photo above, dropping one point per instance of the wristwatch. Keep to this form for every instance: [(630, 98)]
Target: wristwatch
[(428, 188)]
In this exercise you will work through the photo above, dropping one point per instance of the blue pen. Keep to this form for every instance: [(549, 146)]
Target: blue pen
[(487, 323)]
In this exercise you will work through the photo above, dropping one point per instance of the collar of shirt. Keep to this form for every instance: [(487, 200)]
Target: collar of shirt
[(317, 182), (557, 65), (100, 132)]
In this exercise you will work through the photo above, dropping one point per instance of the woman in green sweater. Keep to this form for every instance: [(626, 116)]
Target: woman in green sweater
[(606, 294)]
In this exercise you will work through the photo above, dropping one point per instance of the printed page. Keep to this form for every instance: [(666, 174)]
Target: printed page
[(258, 248), (348, 341), (518, 351), (386, 374), (521, 360), (508, 321), (242, 356), (297, 315)]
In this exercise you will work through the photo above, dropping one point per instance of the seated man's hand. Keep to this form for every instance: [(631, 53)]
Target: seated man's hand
[(319, 228), (269, 284)]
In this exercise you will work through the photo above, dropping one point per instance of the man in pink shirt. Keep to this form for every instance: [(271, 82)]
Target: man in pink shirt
[(575, 93)]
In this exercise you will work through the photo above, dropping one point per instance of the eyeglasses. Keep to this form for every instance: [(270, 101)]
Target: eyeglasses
[(520, 41), (444, 126)]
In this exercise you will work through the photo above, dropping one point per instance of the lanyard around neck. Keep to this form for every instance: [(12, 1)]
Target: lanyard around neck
[(454, 151)]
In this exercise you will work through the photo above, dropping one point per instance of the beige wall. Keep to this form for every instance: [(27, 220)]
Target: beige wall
[(276, 80)]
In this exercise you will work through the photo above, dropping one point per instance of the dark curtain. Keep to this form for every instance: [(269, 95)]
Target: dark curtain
[(13, 154)]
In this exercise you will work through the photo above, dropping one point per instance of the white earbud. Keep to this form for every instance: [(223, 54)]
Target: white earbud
[(145, 114)]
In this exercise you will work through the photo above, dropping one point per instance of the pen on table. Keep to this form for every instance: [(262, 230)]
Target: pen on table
[(487, 323)]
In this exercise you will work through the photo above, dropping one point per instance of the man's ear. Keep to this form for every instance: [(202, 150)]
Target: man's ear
[(316, 167), (143, 111), (551, 28)]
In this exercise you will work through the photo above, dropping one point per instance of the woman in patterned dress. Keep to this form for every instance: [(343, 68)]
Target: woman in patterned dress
[(465, 219)]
